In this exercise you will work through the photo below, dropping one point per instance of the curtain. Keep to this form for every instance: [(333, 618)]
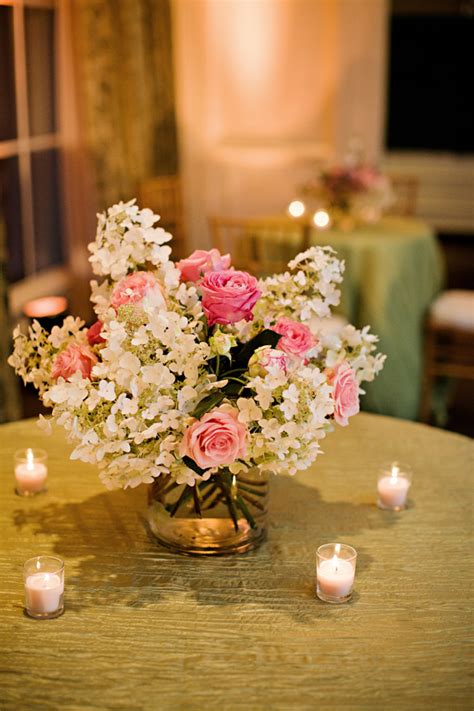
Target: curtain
[(9, 395), (126, 95)]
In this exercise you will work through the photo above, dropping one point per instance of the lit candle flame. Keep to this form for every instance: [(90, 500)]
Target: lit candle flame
[(395, 471), (335, 558), (29, 460), (296, 208), (321, 219)]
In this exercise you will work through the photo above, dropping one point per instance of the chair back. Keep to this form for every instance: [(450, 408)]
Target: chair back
[(405, 188), (261, 246), (163, 195)]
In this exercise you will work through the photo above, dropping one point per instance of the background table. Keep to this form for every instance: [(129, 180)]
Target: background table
[(393, 272), (144, 629)]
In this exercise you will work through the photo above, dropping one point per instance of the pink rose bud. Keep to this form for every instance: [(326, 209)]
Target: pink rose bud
[(297, 338), (217, 439), (266, 358), (229, 296), (77, 358), (345, 393), (202, 261), (138, 288), (93, 334)]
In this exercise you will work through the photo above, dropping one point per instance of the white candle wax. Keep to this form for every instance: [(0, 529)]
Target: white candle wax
[(43, 592), (393, 490), (335, 577), (30, 478), (30, 475)]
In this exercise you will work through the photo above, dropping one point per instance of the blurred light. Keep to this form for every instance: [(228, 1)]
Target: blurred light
[(296, 208), (47, 306), (321, 219)]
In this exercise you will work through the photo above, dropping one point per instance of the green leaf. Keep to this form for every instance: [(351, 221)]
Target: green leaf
[(192, 465), (208, 403), (242, 354)]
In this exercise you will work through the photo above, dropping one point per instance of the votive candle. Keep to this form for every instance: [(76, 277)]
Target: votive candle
[(30, 471), (392, 486), (335, 572), (44, 586)]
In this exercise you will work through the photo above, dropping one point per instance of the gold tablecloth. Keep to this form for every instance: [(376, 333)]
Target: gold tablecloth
[(144, 629)]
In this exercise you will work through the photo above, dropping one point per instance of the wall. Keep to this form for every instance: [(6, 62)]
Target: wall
[(264, 88)]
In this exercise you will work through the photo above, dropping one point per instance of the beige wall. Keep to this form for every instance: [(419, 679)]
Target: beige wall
[(264, 88)]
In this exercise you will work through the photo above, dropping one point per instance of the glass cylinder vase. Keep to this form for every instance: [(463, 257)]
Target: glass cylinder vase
[(225, 514)]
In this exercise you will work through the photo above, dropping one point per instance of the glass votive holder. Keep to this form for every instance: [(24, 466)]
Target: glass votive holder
[(44, 587), (31, 471), (392, 486), (335, 572)]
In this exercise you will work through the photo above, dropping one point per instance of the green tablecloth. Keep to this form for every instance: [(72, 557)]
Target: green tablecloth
[(393, 271), (146, 630)]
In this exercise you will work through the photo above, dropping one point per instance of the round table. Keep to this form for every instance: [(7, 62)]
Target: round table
[(393, 272), (144, 629)]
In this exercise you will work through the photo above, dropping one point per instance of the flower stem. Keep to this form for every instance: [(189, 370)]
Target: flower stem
[(185, 494), (230, 504), (197, 503), (244, 508)]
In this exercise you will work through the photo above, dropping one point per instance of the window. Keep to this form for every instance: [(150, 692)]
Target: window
[(30, 201), (430, 95)]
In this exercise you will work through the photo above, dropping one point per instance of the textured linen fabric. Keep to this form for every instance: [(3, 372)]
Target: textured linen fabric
[(144, 629)]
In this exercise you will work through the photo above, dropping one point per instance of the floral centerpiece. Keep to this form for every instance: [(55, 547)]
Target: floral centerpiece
[(351, 193), (198, 379)]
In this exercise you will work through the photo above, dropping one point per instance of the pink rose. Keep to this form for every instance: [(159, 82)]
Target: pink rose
[(93, 334), (345, 393), (297, 338), (77, 358), (137, 288), (216, 440), (265, 358), (229, 296), (202, 261)]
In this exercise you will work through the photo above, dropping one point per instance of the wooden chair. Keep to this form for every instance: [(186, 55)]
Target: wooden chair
[(261, 246), (163, 195), (449, 343), (405, 188)]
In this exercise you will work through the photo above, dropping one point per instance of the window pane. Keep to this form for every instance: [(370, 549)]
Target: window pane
[(39, 40), (10, 217), (429, 78), (46, 208), (7, 76)]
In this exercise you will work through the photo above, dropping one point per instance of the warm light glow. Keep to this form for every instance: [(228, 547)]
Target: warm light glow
[(233, 488), (395, 471), (296, 208), (45, 306), (335, 558), (321, 219), (29, 460)]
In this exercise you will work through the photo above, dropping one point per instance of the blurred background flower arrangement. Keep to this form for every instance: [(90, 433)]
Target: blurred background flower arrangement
[(349, 194)]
